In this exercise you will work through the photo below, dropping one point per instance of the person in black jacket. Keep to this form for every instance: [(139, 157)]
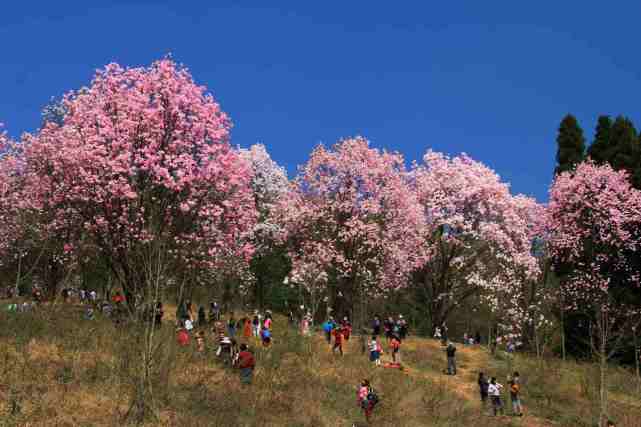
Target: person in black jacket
[(202, 316), (483, 388), (451, 358)]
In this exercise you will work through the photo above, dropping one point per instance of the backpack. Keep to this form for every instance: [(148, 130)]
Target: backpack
[(372, 397)]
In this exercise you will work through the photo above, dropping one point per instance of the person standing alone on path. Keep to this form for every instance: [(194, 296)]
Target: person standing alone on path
[(450, 350)]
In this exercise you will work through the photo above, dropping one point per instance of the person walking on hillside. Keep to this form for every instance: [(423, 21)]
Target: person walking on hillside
[(214, 312), (346, 328), (402, 327), (375, 351), (494, 390), (450, 350), (268, 320), (247, 328), (158, 314), (483, 389), (376, 326), (304, 324), (388, 327), (246, 364), (515, 390), (366, 398), (231, 326), (256, 324), (338, 340), (395, 348), (444, 335), (327, 328), (202, 316)]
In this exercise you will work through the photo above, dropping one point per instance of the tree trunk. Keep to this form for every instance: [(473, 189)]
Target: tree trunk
[(636, 358), (17, 292), (603, 366), (562, 332)]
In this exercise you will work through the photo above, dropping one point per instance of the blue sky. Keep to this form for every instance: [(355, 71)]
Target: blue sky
[(485, 78)]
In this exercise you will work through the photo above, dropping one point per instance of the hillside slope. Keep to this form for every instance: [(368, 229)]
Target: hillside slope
[(60, 370)]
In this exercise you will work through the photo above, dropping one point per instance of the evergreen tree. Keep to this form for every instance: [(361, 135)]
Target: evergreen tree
[(571, 144), (624, 145), (598, 150)]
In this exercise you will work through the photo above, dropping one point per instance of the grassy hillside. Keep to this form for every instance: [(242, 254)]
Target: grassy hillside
[(57, 369)]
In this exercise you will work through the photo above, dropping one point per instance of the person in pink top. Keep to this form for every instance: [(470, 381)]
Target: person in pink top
[(268, 321), (367, 399)]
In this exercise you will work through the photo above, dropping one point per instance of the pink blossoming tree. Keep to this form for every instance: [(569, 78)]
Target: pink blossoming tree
[(593, 220), (350, 219), (142, 159), (476, 238)]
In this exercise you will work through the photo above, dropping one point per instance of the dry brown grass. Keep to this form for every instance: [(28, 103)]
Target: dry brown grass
[(57, 369)]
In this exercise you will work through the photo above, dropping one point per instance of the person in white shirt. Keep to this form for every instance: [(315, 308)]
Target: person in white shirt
[(494, 390), (189, 325)]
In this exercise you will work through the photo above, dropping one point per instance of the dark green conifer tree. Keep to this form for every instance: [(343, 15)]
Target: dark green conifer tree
[(571, 144), (598, 150)]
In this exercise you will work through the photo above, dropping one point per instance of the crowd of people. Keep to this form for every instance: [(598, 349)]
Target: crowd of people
[(210, 332), (225, 334)]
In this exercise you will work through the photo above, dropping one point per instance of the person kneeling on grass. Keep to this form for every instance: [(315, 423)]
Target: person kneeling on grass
[(367, 399), (246, 364)]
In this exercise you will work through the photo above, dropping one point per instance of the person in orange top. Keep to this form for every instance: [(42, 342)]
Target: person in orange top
[(395, 346), (247, 328), (338, 340)]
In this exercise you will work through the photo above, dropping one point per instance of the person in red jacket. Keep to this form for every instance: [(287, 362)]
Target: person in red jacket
[(338, 340), (182, 337), (347, 328), (246, 363)]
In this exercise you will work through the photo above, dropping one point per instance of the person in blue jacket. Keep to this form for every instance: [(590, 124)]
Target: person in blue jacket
[(328, 327)]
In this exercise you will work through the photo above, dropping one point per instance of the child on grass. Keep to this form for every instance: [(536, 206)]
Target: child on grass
[(515, 390), (494, 390), (375, 351)]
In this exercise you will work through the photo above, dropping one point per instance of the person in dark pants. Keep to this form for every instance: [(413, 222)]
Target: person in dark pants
[(477, 338), (483, 388), (376, 326), (158, 314), (450, 350), (202, 316), (246, 363)]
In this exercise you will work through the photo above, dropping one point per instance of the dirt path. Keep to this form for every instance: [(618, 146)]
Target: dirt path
[(471, 361)]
